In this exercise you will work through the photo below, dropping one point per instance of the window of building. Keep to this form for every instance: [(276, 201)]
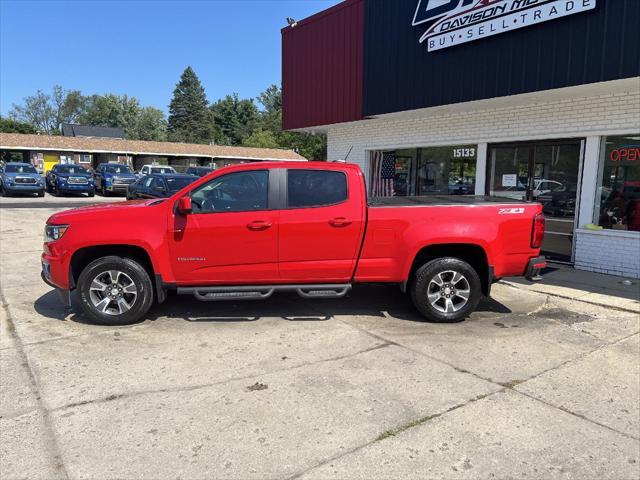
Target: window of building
[(84, 158), (449, 170), (315, 188), (618, 195), (235, 192)]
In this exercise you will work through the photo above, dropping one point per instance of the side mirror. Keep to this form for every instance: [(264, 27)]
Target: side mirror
[(184, 205)]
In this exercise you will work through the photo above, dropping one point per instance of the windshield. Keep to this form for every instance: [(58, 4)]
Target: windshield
[(162, 170), (26, 168), (117, 169), (70, 169), (176, 184)]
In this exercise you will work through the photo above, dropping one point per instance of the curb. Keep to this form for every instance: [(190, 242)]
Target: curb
[(566, 297)]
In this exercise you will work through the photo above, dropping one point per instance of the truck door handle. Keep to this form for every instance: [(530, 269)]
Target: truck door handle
[(339, 222), (259, 225)]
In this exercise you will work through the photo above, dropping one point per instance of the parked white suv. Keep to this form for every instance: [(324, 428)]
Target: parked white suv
[(156, 169)]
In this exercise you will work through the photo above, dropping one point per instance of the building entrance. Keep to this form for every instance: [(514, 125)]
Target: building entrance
[(546, 172)]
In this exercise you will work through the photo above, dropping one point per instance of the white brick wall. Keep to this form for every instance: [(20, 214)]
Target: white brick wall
[(616, 253), (576, 117), (584, 117)]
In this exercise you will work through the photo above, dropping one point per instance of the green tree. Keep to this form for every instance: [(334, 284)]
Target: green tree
[(47, 112), (122, 111), (313, 147), (8, 125), (261, 139), (112, 110), (150, 125), (234, 118), (189, 115)]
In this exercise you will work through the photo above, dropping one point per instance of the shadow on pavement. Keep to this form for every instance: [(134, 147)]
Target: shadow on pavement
[(370, 300)]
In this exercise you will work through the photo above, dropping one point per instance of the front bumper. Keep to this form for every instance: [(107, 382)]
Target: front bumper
[(117, 188), (532, 273), (76, 188), (64, 294), (24, 188)]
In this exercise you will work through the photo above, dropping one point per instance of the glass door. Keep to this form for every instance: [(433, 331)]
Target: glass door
[(545, 172)]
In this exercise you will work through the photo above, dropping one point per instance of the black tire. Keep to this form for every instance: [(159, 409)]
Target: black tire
[(422, 287), (41, 193), (91, 193), (139, 306)]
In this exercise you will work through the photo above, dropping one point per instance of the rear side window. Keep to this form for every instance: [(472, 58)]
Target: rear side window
[(315, 188)]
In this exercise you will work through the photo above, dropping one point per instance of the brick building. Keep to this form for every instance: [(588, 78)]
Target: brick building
[(45, 151), (537, 101)]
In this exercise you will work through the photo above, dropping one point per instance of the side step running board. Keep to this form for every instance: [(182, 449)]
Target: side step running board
[(262, 292)]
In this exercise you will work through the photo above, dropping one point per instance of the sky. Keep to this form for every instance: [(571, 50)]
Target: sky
[(140, 48)]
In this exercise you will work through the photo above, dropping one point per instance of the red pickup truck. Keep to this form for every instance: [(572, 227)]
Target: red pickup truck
[(247, 231)]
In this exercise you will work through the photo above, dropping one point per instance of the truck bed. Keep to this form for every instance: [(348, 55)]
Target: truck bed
[(439, 200)]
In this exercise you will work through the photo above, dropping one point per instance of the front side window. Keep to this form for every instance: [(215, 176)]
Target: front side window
[(158, 184), (235, 192), (178, 183), (618, 195), (315, 188)]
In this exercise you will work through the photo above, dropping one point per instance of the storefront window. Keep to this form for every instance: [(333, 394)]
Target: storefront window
[(618, 194), (449, 170)]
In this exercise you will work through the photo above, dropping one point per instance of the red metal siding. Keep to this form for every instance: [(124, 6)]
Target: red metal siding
[(322, 67)]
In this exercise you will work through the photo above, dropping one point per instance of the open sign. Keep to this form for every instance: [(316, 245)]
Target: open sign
[(628, 153)]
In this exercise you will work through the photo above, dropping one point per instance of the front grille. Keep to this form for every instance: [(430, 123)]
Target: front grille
[(123, 181), (78, 180), (26, 180)]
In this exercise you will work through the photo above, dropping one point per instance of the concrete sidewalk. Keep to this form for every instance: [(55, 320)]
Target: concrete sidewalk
[(595, 288)]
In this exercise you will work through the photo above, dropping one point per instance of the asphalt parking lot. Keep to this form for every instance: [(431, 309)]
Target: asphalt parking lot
[(531, 386)]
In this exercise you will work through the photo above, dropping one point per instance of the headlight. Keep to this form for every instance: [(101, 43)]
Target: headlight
[(54, 232)]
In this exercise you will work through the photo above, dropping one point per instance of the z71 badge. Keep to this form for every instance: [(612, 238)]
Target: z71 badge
[(510, 211)]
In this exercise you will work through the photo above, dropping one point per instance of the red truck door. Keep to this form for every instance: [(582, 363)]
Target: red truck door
[(321, 226), (231, 236)]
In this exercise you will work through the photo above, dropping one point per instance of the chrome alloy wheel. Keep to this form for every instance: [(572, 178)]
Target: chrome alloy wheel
[(448, 291), (113, 292)]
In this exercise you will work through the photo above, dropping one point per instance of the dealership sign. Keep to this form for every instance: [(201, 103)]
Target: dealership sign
[(454, 22)]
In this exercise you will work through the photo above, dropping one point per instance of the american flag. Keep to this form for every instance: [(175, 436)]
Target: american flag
[(383, 174)]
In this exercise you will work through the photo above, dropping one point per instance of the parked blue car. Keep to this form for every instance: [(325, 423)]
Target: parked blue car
[(159, 186), (113, 178), (19, 177), (69, 178)]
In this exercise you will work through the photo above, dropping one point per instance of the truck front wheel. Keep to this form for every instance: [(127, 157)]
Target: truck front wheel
[(115, 291), (446, 290)]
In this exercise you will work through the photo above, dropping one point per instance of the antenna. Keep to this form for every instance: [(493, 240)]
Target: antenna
[(345, 158)]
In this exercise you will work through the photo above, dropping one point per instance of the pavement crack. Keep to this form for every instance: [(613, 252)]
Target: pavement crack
[(419, 421), (577, 415), (191, 388), (391, 433), (52, 444)]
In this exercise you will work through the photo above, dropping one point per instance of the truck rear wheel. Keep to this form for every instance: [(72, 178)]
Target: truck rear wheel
[(115, 291), (446, 290)]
